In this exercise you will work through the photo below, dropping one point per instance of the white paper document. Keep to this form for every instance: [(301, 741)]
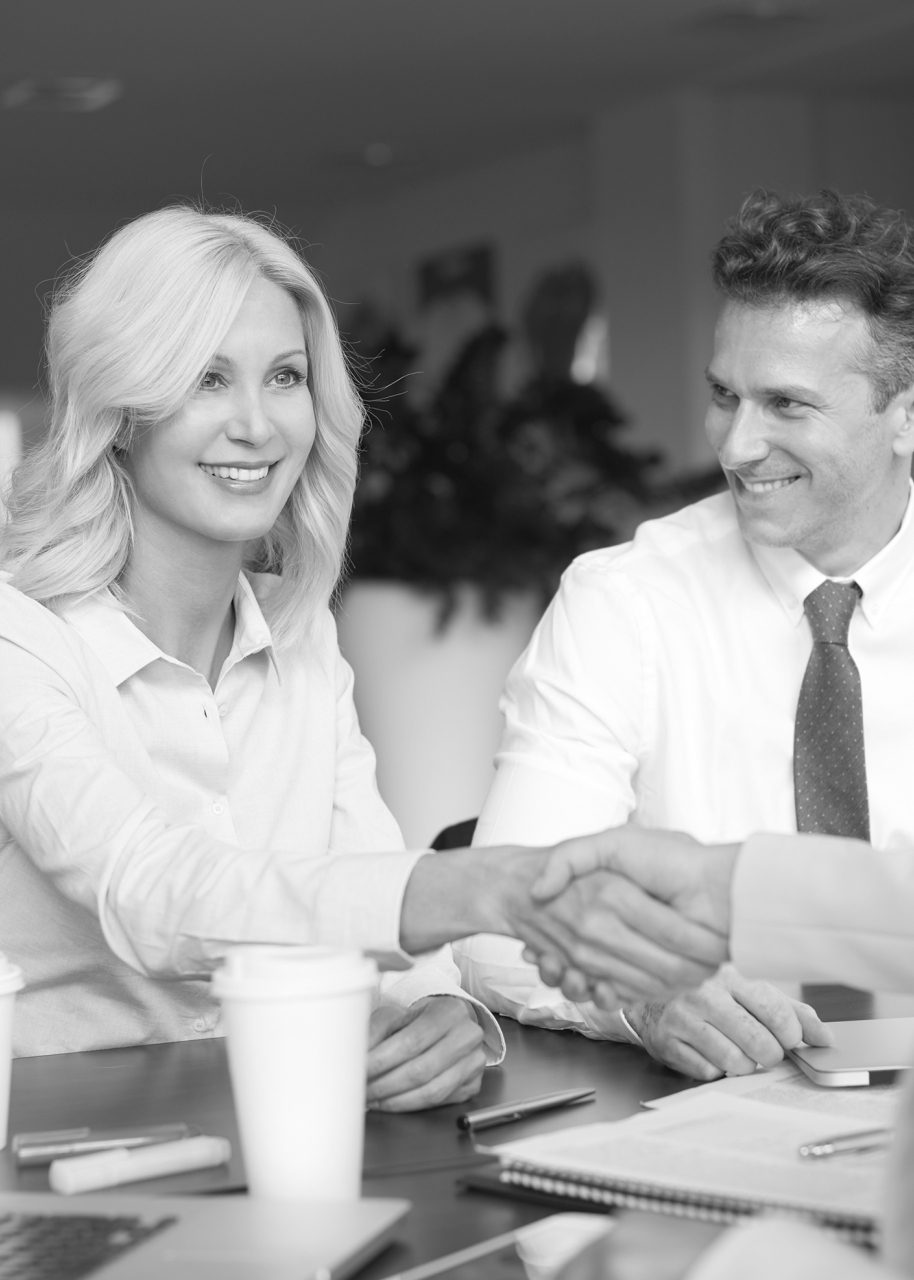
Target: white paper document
[(716, 1145)]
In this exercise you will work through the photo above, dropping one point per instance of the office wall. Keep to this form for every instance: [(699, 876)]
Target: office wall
[(641, 192)]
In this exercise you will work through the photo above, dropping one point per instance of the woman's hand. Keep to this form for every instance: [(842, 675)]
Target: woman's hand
[(426, 1055)]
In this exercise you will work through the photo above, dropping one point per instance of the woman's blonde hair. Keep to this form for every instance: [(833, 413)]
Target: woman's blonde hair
[(130, 334)]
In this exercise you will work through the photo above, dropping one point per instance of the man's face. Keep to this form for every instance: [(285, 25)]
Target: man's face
[(809, 462)]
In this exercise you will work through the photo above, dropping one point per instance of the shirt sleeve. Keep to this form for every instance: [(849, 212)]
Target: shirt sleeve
[(823, 908), (576, 706), (769, 1247), (169, 897)]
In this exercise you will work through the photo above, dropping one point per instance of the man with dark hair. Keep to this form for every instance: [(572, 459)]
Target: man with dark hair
[(746, 664)]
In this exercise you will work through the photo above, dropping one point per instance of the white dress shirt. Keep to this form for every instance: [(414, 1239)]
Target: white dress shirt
[(661, 688), (147, 821)]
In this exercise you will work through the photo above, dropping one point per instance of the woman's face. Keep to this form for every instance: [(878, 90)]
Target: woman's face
[(221, 469)]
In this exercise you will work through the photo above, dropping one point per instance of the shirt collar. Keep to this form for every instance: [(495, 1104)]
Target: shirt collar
[(124, 650), (791, 577)]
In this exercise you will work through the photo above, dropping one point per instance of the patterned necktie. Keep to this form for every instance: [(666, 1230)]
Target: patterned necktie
[(829, 764)]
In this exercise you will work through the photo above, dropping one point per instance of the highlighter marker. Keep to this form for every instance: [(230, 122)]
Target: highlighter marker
[(112, 1168)]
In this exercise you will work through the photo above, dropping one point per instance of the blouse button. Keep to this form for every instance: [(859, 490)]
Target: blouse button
[(218, 807)]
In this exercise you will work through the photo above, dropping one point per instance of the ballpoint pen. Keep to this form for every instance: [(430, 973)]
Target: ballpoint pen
[(507, 1111), (847, 1143), (42, 1148)]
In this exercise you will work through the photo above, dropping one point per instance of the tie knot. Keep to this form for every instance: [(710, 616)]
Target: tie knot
[(829, 609)]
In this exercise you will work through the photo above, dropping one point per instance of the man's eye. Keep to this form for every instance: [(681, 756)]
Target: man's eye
[(720, 395)]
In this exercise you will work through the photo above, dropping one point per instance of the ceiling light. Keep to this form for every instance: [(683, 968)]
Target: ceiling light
[(61, 93), (378, 154), (760, 17)]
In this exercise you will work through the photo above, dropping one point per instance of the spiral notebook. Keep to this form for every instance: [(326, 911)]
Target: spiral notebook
[(720, 1158)]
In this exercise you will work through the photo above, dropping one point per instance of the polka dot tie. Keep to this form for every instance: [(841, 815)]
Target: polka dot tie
[(829, 762)]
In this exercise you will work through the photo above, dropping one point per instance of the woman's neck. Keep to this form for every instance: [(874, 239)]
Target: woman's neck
[(186, 612)]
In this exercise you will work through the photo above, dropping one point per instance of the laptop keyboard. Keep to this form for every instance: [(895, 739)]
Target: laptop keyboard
[(39, 1246)]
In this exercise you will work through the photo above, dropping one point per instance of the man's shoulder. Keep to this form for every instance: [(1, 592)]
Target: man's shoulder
[(691, 544)]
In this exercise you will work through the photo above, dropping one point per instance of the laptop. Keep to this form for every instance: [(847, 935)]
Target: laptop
[(868, 1051), (225, 1237)]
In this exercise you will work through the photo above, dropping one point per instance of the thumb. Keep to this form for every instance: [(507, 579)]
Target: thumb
[(568, 860), (815, 1031)]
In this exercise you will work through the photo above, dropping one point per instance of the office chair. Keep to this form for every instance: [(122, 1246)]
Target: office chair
[(458, 835)]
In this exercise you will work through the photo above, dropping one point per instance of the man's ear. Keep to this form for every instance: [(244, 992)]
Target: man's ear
[(903, 439)]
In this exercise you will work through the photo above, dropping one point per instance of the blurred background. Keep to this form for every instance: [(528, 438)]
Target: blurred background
[(511, 204)]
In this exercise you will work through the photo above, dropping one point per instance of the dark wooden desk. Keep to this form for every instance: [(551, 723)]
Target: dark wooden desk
[(417, 1156)]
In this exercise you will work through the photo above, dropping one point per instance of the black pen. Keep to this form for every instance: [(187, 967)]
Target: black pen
[(507, 1111)]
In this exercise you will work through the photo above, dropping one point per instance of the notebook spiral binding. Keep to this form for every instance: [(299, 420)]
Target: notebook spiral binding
[(683, 1204)]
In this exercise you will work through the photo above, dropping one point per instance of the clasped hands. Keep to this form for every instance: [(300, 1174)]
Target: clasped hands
[(628, 914), (653, 919)]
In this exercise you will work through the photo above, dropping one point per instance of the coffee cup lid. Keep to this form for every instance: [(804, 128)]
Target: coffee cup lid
[(257, 972), (10, 976)]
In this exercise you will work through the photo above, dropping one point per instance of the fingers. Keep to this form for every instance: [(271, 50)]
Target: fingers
[(385, 1020), (815, 1031), (787, 1022), (621, 924), (713, 1027), (435, 1057)]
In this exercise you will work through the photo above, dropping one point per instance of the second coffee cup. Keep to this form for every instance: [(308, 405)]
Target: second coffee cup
[(296, 1022)]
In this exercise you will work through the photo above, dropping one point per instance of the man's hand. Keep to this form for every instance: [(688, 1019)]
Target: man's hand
[(424, 1056), (667, 866), (670, 865), (620, 935), (618, 941), (726, 1026)]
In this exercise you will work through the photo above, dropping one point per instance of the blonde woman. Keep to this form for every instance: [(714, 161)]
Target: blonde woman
[(180, 761)]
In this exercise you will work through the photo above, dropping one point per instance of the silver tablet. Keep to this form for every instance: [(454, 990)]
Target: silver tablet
[(871, 1051)]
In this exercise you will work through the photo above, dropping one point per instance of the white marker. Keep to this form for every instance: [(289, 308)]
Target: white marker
[(111, 1168)]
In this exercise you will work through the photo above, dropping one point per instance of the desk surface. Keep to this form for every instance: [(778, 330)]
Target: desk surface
[(418, 1156)]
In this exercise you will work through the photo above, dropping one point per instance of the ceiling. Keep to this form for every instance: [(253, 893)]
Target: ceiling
[(266, 100)]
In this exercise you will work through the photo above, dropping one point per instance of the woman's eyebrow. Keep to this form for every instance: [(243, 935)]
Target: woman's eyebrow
[(220, 358)]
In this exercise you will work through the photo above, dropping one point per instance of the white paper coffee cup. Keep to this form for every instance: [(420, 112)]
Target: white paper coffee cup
[(10, 983), (296, 1022)]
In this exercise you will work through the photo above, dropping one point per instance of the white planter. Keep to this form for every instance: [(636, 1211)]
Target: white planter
[(428, 701)]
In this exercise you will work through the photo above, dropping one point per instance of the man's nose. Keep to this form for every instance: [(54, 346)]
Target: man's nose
[(746, 437)]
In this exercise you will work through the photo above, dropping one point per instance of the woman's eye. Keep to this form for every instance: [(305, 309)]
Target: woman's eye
[(209, 381), (289, 378)]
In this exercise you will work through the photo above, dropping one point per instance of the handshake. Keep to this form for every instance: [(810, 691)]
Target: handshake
[(623, 915)]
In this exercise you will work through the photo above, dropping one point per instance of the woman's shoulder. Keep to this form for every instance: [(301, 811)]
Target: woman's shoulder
[(35, 628), (18, 611)]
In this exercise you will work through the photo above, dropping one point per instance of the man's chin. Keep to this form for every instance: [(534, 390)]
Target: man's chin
[(764, 532)]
